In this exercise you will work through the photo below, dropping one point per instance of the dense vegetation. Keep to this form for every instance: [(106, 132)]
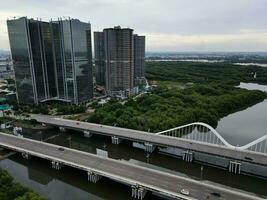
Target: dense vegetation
[(174, 102), (204, 72), (165, 108), (9, 190)]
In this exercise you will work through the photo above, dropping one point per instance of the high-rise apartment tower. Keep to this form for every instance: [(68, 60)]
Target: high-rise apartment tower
[(139, 59), (100, 58), (119, 59)]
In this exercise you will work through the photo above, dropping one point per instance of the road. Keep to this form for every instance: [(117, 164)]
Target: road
[(123, 171), (160, 140)]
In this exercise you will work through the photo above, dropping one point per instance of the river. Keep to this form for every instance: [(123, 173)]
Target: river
[(70, 184), (244, 126)]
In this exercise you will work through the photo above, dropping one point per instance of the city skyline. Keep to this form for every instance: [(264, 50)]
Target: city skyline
[(169, 26)]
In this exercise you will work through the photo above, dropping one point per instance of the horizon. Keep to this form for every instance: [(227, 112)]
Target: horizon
[(188, 52), (172, 26)]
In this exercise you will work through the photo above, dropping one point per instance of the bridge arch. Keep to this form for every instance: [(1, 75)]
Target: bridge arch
[(202, 132)]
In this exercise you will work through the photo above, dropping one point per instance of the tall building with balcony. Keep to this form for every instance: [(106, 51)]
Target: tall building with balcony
[(119, 60), (99, 50), (52, 60)]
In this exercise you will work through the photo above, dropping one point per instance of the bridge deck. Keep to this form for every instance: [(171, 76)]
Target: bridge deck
[(160, 140), (128, 173)]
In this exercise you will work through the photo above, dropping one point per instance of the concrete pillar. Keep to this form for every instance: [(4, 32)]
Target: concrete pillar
[(25, 155), (141, 193), (115, 140), (17, 130), (149, 147), (188, 156), (56, 165), (93, 177), (138, 192), (134, 191), (87, 134), (62, 129), (234, 167)]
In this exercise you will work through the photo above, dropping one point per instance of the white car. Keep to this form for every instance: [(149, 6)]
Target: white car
[(185, 192)]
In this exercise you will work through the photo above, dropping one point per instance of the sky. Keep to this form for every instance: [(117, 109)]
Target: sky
[(169, 25)]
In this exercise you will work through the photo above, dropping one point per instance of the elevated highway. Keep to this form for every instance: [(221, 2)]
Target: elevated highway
[(139, 178), (231, 152)]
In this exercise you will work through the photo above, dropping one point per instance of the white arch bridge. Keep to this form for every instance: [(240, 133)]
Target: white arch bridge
[(204, 133)]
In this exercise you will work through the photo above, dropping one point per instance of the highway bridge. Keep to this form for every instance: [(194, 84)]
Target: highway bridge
[(196, 137), (140, 179)]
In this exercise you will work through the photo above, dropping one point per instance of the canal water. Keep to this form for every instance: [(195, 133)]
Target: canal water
[(72, 184)]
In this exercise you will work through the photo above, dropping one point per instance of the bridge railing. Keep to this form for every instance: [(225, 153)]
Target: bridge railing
[(259, 145), (197, 131), (204, 133)]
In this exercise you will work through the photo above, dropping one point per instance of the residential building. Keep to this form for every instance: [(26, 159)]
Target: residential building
[(139, 59), (119, 60), (118, 43), (99, 58)]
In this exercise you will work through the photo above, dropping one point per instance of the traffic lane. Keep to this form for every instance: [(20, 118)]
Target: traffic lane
[(143, 175), (159, 139)]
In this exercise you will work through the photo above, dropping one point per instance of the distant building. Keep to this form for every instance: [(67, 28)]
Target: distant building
[(139, 59), (6, 68), (52, 60), (99, 58), (122, 55)]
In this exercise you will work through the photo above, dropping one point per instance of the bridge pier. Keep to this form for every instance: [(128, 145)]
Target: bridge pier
[(87, 134), (25, 155), (62, 129), (93, 177), (56, 165), (235, 167), (115, 140), (138, 192), (149, 147), (188, 156)]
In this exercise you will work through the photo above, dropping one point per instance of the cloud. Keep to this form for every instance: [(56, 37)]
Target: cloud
[(246, 40), (169, 24)]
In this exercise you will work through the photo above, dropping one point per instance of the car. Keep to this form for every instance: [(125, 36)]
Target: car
[(61, 149), (77, 123), (185, 192), (216, 194)]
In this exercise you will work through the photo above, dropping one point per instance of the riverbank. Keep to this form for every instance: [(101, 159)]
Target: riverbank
[(10, 190), (164, 108), (183, 93), (5, 155), (246, 125), (23, 123)]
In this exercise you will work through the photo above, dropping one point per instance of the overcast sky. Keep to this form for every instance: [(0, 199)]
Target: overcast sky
[(169, 25)]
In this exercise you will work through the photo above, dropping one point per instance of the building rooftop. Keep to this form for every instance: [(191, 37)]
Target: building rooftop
[(118, 28)]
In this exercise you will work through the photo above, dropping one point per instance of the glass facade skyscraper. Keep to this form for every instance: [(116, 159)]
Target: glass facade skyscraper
[(53, 61)]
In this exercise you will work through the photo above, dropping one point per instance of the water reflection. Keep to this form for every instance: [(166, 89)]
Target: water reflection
[(253, 86), (69, 183), (243, 127)]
